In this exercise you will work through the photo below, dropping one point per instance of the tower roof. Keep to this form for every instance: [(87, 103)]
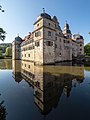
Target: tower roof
[(45, 15), (55, 19), (66, 28), (78, 36), (19, 39), (66, 25)]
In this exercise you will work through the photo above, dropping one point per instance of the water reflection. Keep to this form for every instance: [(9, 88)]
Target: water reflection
[(5, 64), (3, 112), (48, 82)]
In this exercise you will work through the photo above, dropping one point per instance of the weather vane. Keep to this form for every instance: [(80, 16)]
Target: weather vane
[(43, 10)]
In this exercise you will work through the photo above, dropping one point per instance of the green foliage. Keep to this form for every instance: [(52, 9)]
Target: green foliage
[(8, 52), (2, 34), (0, 52), (87, 49)]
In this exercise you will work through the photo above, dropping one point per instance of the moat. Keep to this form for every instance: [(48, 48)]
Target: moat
[(53, 92)]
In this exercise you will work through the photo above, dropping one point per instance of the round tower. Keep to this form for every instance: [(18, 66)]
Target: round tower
[(80, 44), (16, 49)]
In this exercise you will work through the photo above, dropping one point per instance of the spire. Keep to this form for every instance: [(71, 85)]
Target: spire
[(18, 34), (66, 25), (67, 31)]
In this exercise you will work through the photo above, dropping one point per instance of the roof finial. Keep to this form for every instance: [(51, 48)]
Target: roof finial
[(43, 10), (18, 34)]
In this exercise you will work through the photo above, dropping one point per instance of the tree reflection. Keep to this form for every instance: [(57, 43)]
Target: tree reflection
[(3, 112)]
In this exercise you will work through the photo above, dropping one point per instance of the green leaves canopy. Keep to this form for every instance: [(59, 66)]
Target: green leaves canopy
[(2, 34), (87, 49), (8, 51)]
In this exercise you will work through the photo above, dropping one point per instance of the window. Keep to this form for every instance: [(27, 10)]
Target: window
[(49, 33), (26, 48), (64, 41), (55, 45), (80, 44), (22, 55), (33, 47), (25, 55), (37, 25), (68, 41), (28, 55), (28, 66), (25, 65), (49, 24), (60, 39), (60, 54), (37, 34), (80, 49), (49, 43), (68, 36), (55, 38), (37, 44)]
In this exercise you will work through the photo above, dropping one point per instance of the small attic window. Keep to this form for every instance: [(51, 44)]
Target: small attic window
[(37, 25)]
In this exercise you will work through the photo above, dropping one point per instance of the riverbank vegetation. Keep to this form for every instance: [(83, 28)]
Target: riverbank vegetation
[(87, 50)]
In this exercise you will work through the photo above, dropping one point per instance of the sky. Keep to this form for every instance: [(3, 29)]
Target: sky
[(20, 15)]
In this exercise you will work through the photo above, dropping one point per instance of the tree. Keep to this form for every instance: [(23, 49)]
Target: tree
[(87, 49), (0, 53), (3, 111), (8, 51), (1, 9), (2, 34)]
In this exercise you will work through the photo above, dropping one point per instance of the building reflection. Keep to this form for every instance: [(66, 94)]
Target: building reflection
[(16, 67), (48, 82)]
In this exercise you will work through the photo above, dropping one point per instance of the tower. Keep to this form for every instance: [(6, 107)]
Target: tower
[(80, 44), (67, 31), (44, 37), (16, 49)]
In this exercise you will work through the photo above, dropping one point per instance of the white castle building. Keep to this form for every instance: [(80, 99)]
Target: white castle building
[(48, 44)]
